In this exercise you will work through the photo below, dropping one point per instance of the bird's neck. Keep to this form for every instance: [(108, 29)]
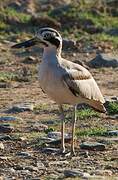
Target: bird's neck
[(51, 53)]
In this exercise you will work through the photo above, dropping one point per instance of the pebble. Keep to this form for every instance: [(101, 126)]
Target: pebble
[(31, 168), (2, 146), (4, 158), (30, 60), (92, 146), (50, 150), (5, 85), (104, 60), (24, 154), (40, 166), (21, 108), (6, 128), (8, 118), (39, 127), (57, 135), (112, 133), (103, 172), (58, 163), (5, 138), (58, 141), (76, 173)]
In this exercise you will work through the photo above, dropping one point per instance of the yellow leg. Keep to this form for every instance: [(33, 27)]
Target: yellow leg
[(62, 129), (73, 131)]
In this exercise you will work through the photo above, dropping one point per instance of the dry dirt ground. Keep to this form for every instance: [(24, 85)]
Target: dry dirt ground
[(12, 166)]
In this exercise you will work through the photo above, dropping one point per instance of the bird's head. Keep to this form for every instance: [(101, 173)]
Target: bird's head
[(49, 37)]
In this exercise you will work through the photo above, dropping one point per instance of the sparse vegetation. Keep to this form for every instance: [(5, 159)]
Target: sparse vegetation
[(96, 131), (113, 108), (87, 113)]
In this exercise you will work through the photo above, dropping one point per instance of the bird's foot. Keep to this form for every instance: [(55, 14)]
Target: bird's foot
[(72, 153)]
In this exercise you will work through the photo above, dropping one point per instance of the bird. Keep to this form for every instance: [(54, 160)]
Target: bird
[(64, 81)]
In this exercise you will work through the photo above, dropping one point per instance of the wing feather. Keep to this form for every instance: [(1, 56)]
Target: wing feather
[(81, 83)]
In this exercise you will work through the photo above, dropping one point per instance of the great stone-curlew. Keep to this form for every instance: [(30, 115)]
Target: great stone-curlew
[(64, 81)]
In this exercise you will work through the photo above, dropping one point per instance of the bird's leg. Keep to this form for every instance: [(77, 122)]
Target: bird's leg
[(62, 129), (73, 130)]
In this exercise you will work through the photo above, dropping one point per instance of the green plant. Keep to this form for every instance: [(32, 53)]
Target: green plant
[(113, 108), (87, 113), (96, 131)]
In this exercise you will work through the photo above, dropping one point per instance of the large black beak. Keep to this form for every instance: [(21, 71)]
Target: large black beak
[(26, 44)]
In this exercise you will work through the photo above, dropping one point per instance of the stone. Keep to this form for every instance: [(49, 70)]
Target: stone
[(8, 118), (5, 138), (76, 173), (104, 60), (57, 135), (112, 31), (21, 108), (24, 154), (112, 133), (58, 141), (1, 146), (109, 99), (114, 116), (93, 146), (4, 84), (39, 127), (4, 157), (69, 44), (58, 163), (59, 10), (49, 150), (30, 60), (40, 166), (103, 172), (6, 128), (31, 168)]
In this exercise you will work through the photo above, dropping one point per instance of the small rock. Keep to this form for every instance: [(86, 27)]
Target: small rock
[(104, 60), (24, 154), (58, 163), (40, 166), (112, 31), (92, 146), (76, 173), (69, 44), (58, 141), (4, 158), (57, 135), (53, 177), (31, 168), (5, 85), (21, 108), (50, 150), (2, 146), (103, 172), (30, 60), (39, 127), (8, 118), (21, 138), (114, 116), (112, 133), (6, 128), (5, 138)]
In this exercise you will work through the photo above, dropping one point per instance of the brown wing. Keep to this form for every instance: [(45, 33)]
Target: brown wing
[(81, 83)]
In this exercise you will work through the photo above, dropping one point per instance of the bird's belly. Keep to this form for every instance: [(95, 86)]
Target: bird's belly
[(55, 88)]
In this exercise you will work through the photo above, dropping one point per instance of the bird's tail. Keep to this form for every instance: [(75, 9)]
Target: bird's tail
[(98, 106)]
